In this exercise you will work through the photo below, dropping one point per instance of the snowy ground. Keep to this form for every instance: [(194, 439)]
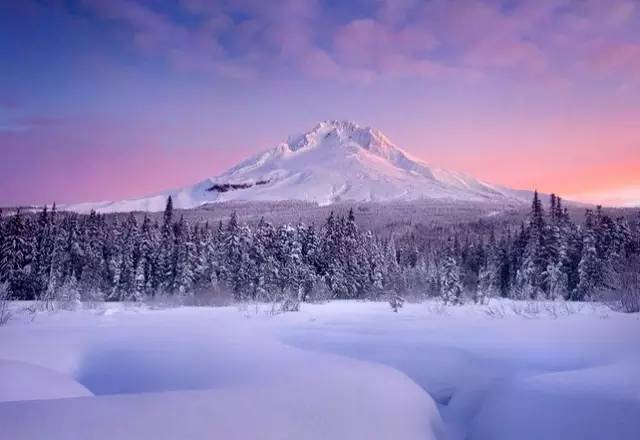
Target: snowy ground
[(338, 370)]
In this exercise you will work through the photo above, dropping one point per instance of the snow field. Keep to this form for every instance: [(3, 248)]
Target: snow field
[(337, 370)]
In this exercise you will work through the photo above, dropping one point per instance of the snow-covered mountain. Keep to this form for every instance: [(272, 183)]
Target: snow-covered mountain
[(335, 161)]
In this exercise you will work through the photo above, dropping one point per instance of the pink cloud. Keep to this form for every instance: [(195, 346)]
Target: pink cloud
[(466, 38)]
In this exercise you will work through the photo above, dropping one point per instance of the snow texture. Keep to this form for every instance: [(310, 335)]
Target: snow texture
[(345, 369), (22, 381), (198, 373), (335, 161)]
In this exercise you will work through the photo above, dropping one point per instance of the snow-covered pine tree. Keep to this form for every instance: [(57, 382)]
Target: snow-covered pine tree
[(333, 257), (356, 271), (231, 251), (432, 275), (128, 288), (212, 254), (69, 294), (589, 268), (308, 251), (114, 262), (185, 257), (59, 257), (200, 261), (139, 283), (534, 259), (242, 279), (295, 272), (622, 239), (635, 240), (555, 280), (392, 279), (165, 258), (488, 276), (74, 249), (374, 265), (17, 254), (310, 246), (90, 283), (43, 247), (3, 258), (148, 257), (450, 285)]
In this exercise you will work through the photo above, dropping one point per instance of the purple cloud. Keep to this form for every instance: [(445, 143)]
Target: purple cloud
[(467, 38)]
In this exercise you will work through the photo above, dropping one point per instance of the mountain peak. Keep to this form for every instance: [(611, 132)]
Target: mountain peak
[(336, 160), (337, 124), (341, 132)]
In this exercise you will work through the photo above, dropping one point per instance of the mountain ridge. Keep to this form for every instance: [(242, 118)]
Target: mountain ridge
[(335, 161)]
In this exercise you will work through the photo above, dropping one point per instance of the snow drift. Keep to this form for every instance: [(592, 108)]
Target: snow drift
[(23, 381), (200, 374), (344, 369), (335, 161)]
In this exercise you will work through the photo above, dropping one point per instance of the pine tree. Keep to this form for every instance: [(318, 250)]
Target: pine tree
[(333, 257), (488, 277), (184, 259), (392, 268), (375, 266), (554, 277), (56, 276), (164, 277), (128, 288), (589, 268), (450, 285), (355, 271), (43, 248), (4, 260), (148, 258), (90, 282), (139, 283), (17, 255), (530, 277), (556, 280), (635, 240), (69, 295)]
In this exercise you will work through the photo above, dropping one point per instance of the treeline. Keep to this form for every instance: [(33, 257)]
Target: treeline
[(96, 257), (548, 257), (69, 257)]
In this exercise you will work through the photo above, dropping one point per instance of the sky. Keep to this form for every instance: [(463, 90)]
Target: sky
[(111, 99)]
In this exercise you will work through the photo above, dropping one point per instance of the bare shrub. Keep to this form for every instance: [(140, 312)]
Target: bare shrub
[(624, 294), (532, 309), (496, 312), (287, 301), (396, 302)]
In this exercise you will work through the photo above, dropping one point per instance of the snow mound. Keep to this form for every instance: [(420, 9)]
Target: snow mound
[(335, 161), (298, 409), (588, 404), (23, 381), (344, 369), (204, 373)]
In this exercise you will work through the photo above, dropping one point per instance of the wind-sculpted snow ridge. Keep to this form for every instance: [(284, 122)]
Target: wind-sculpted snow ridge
[(558, 371), (200, 373), (24, 381), (549, 371), (335, 161)]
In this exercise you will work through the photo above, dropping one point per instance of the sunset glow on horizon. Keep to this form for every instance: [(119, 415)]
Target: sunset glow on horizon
[(113, 99)]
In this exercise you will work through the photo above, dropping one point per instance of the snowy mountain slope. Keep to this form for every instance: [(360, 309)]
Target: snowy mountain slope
[(335, 161)]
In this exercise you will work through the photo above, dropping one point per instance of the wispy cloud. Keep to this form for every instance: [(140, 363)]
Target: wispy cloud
[(530, 38)]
